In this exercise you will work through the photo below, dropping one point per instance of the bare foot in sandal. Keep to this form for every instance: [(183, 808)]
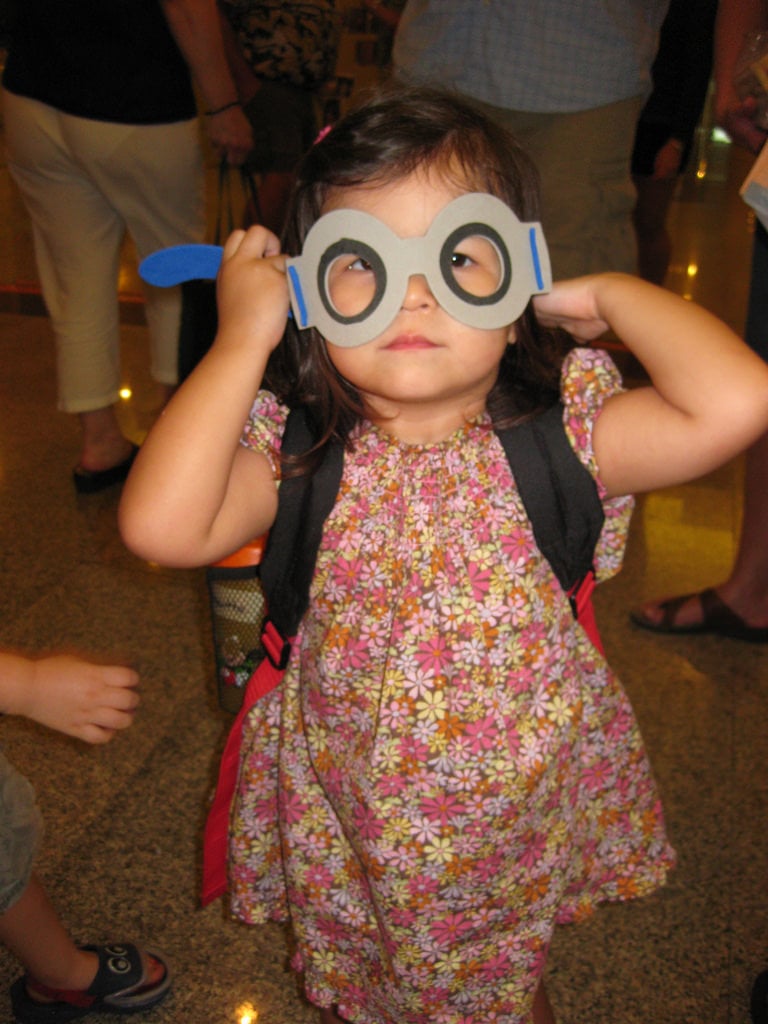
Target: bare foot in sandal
[(703, 612)]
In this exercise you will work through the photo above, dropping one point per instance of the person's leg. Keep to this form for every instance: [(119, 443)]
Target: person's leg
[(104, 446), (542, 1010), (29, 926), (654, 196), (649, 216), (32, 931), (541, 1013), (746, 589), (55, 967), (583, 160), (153, 177), (329, 1016), (745, 592), (77, 241)]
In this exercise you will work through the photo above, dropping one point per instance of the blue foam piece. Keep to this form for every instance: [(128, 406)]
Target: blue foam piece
[(180, 263)]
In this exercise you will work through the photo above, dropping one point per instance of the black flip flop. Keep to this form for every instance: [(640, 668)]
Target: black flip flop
[(91, 481)]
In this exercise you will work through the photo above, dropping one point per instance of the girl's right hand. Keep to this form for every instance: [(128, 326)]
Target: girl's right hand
[(252, 289)]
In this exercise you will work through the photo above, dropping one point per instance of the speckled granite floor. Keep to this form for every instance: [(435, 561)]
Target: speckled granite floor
[(123, 821)]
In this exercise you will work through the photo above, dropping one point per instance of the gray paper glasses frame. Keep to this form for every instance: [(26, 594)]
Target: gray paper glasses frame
[(520, 246)]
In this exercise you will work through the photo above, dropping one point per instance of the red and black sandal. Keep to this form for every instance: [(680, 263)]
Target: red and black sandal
[(121, 985)]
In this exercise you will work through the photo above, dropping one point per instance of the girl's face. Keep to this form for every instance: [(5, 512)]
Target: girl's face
[(427, 373)]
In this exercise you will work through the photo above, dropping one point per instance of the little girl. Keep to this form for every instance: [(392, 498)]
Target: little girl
[(449, 767)]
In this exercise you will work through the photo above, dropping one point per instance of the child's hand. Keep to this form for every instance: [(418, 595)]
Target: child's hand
[(252, 289), (76, 697), (573, 306)]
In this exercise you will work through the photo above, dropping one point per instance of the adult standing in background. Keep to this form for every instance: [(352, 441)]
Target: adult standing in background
[(665, 131), (568, 78), (738, 606), (281, 54), (102, 136)]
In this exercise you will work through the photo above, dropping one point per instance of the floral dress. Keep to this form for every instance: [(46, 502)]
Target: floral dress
[(449, 768)]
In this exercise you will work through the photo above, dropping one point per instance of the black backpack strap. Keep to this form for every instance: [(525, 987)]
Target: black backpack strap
[(559, 495), (304, 503), (558, 492)]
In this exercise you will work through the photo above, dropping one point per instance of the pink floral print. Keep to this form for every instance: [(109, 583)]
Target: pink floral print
[(449, 768)]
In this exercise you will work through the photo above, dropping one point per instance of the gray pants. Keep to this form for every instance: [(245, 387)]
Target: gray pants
[(21, 829)]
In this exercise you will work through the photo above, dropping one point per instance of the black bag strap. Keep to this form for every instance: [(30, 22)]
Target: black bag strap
[(304, 503), (558, 492), (225, 212)]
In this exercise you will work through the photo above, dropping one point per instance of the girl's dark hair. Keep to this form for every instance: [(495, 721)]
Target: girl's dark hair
[(387, 137)]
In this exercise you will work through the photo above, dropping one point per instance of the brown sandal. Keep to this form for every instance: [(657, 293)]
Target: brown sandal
[(716, 618)]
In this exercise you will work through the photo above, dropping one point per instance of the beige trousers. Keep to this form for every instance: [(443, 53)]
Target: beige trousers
[(85, 183), (583, 159)]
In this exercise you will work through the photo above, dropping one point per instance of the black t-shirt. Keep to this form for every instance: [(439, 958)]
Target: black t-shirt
[(109, 60)]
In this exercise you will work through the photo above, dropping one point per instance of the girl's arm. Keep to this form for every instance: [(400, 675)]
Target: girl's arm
[(195, 494), (709, 394)]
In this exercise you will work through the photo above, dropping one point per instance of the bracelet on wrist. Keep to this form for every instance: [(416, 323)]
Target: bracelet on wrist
[(220, 110)]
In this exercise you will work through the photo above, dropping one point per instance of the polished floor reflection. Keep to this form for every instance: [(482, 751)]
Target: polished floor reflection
[(121, 855)]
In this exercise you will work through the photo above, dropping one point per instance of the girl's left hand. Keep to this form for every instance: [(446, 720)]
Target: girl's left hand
[(572, 305)]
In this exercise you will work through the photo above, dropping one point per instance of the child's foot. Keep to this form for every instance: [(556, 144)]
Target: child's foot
[(126, 980)]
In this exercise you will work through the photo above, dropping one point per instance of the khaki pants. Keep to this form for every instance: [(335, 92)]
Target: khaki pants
[(84, 183), (583, 159)]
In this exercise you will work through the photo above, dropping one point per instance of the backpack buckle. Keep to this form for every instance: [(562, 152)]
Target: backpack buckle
[(276, 647)]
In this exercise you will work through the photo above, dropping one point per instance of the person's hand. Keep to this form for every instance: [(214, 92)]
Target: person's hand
[(87, 701), (737, 118), (667, 162), (387, 15), (230, 134), (252, 288), (573, 305)]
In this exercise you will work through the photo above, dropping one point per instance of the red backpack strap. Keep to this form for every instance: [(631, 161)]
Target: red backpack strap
[(286, 572), (580, 596), (216, 835)]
